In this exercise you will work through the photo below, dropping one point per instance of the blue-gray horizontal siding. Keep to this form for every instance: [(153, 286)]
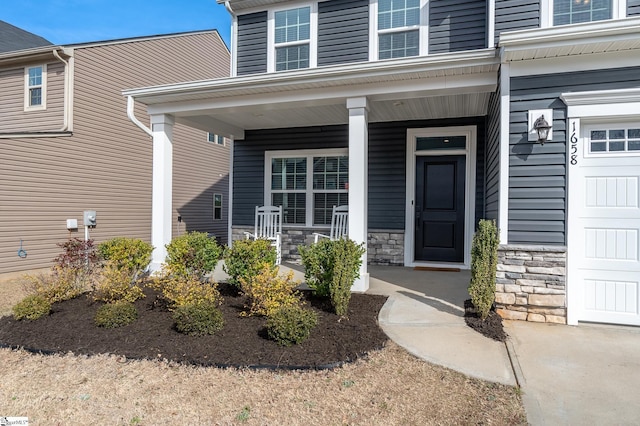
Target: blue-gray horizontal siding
[(633, 7), (514, 15), (492, 159), (343, 31), (457, 25), (252, 44), (387, 171), (537, 173)]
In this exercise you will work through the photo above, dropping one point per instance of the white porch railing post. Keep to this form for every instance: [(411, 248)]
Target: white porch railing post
[(162, 196), (358, 184)]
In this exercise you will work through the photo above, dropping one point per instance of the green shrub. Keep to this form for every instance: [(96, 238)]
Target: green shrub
[(198, 319), (130, 254), (194, 253), (291, 324), (267, 292), (32, 307), (182, 291), (484, 261), (331, 267), (118, 314), (61, 284), (116, 284), (244, 259)]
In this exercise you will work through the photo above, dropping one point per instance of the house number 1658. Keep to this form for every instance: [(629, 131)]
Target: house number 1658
[(574, 143)]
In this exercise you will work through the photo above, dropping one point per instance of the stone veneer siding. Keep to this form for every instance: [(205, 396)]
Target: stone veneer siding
[(385, 247), (531, 283)]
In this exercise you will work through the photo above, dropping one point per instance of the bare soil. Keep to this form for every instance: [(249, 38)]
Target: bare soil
[(490, 327)]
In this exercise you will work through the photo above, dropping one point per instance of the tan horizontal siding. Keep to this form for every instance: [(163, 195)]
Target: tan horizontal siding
[(106, 164), (12, 93)]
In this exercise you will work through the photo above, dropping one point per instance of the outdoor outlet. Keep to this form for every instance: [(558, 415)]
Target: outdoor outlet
[(72, 224)]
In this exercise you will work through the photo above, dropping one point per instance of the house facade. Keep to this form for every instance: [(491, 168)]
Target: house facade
[(421, 116), (67, 145)]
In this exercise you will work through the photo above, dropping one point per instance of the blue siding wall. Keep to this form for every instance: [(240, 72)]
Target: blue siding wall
[(492, 158), (252, 43), (343, 31), (457, 25), (633, 7), (514, 15), (387, 153), (537, 174)]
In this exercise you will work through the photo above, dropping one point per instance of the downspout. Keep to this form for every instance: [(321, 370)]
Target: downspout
[(67, 89), (132, 116), (234, 38)]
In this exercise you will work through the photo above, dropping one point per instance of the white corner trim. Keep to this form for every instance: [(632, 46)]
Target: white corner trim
[(491, 23), (503, 190)]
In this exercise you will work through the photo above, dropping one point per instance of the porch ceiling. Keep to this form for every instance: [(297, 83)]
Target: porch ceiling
[(438, 86)]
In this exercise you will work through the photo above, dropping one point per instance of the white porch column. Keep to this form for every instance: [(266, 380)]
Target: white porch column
[(358, 185), (162, 192)]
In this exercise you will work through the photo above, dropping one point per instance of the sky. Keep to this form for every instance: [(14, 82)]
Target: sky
[(79, 21)]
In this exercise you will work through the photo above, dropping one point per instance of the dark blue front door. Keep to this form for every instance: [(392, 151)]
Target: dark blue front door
[(440, 208)]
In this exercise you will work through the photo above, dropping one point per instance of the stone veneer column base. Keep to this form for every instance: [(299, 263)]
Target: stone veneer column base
[(385, 247), (531, 283)]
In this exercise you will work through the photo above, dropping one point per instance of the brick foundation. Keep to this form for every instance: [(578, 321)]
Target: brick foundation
[(531, 283)]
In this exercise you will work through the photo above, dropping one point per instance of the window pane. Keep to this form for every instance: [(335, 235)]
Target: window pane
[(293, 207), (217, 200), (599, 135), (634, 133), (616, 146), (616, 134), (293, 57), (574, 11), (35, 96), (399, 45), (323, 206), (634, 145), (288, 173), (398, 13), (598, 146), (330, 172), (292, 25), (35, 76)]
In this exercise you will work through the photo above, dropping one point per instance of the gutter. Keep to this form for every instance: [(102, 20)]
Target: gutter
[(132, 116)]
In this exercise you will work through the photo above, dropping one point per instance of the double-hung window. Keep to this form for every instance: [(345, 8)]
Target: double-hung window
[(292, 38), (398, 28), (35, 87), (217, 206), (307, 184), (576, 11)]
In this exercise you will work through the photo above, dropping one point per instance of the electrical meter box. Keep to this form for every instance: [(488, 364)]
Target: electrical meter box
[(90, 218)]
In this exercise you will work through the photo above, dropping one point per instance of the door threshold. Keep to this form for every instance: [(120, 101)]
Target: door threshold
[(435, 268)]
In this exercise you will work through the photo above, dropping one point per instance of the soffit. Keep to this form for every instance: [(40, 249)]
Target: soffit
[(570, 40)]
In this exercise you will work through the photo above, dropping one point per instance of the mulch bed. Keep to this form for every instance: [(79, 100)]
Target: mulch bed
[(241, 342), (491, 327)]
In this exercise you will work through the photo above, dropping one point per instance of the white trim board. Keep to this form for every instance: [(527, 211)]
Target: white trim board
[(470, 132)]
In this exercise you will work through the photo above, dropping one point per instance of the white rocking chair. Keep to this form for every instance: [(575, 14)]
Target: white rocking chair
[(268, 226), (339, 225)]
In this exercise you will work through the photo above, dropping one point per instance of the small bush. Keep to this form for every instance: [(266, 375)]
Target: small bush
[(189, 290), (291, 324), (118, 314), (244, 259), (130, 254), (76, 254), (61, 284), (116, 285), (268, 292), (198, 319), (331, 267), (484, 262), (193, 253), (32, 307)]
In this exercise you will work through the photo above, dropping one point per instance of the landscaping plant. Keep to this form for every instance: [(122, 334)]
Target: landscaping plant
[(198, 319), (244, 259), (291, 324), (117, 314), (32, 307), (192, 254), (181, 291), (268, 291), (331, 267), (484, 261)]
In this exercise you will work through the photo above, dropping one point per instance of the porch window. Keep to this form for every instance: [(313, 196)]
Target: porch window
[(307, 185), (576, 11), (398, 28), (292, 38), (35, 86)]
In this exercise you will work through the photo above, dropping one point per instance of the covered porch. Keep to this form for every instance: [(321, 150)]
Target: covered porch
[(370, 114)]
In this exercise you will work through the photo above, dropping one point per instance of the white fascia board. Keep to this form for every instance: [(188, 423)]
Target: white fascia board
[(601, 97), (435, 86), (385, 70), (576, 63)]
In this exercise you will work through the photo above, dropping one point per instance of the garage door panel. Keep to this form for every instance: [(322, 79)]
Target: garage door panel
[(611, 244), (611, 192)]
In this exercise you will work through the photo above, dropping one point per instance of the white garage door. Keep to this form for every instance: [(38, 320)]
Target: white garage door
[(604, 224)]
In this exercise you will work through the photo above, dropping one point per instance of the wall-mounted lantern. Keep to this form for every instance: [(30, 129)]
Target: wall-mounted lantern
[(539, 128), (542, 128)]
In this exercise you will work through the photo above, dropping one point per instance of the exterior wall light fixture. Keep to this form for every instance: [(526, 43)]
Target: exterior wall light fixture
[(539, 128)]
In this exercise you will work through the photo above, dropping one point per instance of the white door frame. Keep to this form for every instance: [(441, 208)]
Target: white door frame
[(470, 132)]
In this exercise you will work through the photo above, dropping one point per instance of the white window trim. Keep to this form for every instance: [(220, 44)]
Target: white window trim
[(423, 29), (269, 155), (43, 87), (618, 11), (606, 125), (218, 207), (313, 35)]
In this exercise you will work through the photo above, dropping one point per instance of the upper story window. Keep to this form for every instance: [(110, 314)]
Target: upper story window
[(398, 28), (35, 87), (217, 139), (575, 11), (292, 38)]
